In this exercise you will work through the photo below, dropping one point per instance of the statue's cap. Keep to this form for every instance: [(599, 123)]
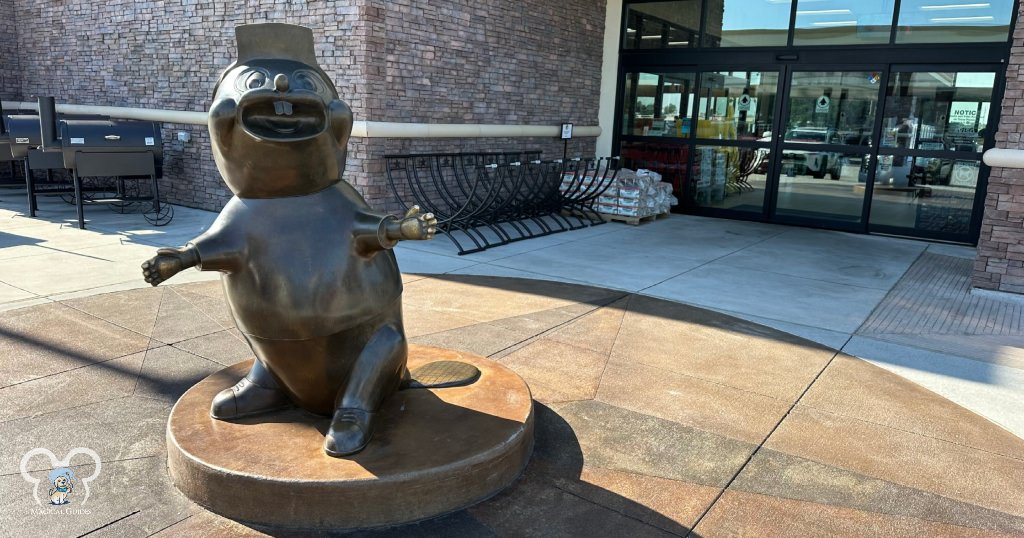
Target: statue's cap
[(275, 41)]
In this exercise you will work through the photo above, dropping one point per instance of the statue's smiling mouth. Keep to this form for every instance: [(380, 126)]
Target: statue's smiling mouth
[(273, 117)]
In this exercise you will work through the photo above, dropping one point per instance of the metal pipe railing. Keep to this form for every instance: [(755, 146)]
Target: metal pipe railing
[(1004, 158), (360, 129)]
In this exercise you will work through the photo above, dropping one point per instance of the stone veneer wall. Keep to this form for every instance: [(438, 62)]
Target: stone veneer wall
[(404, 60), (486, 61), (168, 54), (10, 83), (1000, 261)]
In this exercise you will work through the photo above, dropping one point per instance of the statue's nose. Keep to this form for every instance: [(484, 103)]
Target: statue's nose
[(281, 83)]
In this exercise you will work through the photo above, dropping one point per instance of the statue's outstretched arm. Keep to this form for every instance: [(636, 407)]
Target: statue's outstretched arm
[(169, 262), (216, 250), (375, 232)]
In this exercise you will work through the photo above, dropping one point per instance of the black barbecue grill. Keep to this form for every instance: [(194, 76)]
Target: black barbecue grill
[(5, 147), (26, 139), (126, 150), (124, 153)]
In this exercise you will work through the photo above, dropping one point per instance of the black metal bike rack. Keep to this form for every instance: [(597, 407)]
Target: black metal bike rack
[(484, 200)]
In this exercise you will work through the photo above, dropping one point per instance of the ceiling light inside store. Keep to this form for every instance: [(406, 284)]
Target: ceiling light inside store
[(825, 12), (954, 6), (678, 42), (962, 19)]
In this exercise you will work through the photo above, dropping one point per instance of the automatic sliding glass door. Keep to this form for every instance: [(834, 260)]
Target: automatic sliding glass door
[(825, 137), (933, 131)]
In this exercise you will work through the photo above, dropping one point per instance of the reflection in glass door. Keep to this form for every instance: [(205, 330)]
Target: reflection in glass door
[(826, 132), (932, 136)]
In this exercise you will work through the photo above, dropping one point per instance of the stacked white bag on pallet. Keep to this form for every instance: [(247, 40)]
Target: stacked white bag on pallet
[(639, 193)]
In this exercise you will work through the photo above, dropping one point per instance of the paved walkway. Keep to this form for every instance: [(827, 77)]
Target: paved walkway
[(904, 305), (655, 417)]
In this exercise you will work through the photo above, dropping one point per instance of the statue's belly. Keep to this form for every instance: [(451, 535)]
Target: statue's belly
[(295, 290)]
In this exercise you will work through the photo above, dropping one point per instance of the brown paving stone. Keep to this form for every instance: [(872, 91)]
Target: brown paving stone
[(599, 435), (133, 309), (717, 347), (420, 321), (557, 372), (179, 319), (595, 331), (117, 429), (225, 347), (856, 388), (52, 338), (536, 323), (215, 308), (136, 493), (168, 372), (209, 288), (932, 465), (210, 525), (410, 277), (747, 514), (781, 475), (81, 386), (207, 524), (647, 498), (482, 339), (534, 507), (690, 401), (493, 298)]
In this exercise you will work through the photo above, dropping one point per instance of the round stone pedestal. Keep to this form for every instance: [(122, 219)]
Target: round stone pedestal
[(434, 451)]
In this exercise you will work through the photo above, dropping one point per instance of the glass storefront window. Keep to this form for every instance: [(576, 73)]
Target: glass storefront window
[(821, 185), (937, 111), (657, 25), (729, 178), (832, 107), (669, 160), (658, 104), (742, 23), (737, 105), (923, 195), (842, 22), (928, 21)]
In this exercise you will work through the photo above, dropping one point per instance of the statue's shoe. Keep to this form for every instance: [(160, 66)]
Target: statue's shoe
[(350, 432), (247, 399)]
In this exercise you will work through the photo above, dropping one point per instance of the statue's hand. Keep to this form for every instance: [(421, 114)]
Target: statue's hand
[(167, 263), (416, 225)]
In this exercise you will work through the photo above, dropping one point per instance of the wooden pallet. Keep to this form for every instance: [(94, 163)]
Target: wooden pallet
[(635, 221)]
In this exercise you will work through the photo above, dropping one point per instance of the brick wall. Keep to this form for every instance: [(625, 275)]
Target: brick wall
[(485, 61), (1000, 261), (404, 60), (168, 54), (9, 80)]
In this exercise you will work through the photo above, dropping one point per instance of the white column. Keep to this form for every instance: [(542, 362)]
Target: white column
[(609, 75)]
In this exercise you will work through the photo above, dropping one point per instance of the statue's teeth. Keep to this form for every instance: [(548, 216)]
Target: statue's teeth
[(283, 108)]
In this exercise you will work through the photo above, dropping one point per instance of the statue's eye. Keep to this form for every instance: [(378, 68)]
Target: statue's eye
[(307, 80), (255, 80), (251, 78)]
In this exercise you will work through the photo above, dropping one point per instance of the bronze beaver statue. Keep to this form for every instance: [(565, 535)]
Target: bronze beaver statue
[(307, 266)]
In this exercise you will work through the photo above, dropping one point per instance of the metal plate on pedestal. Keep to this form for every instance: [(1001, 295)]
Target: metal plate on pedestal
[(443, 374)]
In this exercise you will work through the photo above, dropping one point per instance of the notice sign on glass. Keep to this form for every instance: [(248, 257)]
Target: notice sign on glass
[(963, 122)]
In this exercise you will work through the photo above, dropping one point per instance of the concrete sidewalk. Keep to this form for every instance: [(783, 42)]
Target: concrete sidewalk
[(903, 305), (653, 417)]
